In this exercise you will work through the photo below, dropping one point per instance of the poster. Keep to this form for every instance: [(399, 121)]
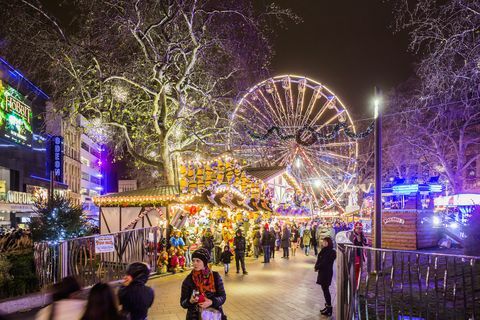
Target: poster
[(104, 244)]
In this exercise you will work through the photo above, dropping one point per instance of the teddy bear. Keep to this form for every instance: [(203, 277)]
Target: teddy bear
[(173, 261), (181, 259), (162, 262)]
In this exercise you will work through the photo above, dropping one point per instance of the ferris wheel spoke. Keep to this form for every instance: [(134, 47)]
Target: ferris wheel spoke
[(278, 102), (300, 101), (254, 126), (259, 114), (273, 111), (331, 119), (317, 92)]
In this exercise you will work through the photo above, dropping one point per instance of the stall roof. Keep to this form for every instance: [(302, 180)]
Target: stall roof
[(147, 192), (158, 196), (265, 173)]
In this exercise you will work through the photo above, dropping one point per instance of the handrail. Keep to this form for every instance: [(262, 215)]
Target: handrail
[(416, 252)]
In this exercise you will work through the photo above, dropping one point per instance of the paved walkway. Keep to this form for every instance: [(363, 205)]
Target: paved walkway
[(283, 289)]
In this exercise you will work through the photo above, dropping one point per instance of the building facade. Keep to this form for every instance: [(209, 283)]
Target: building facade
[(92, 173), (23, 172), (127, 185)]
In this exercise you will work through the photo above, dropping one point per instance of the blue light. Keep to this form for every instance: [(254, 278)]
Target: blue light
[(15, 74), (405, 188), (435, 188)]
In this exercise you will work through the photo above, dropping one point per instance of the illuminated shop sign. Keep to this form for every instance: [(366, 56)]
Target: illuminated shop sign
[(56, 157), (16, 197), (15, 116)]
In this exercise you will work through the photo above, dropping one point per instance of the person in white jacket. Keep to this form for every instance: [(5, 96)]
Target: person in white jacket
[(66, 304)]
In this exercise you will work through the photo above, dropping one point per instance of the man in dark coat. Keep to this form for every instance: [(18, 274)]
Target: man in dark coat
[(285, 242), (135, 297), (240, 245), (266, 244), (324, 267)]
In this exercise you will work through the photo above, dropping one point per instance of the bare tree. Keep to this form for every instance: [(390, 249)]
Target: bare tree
[(442, 114), (156, 78)]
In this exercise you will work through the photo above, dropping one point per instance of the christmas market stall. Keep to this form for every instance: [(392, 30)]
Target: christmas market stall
[(138, 208), (406, 215)]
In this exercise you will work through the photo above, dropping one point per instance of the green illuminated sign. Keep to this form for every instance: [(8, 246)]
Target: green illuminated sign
[(15, 116)]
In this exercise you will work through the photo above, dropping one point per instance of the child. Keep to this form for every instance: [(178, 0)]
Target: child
[(226, 258), (162, 262)]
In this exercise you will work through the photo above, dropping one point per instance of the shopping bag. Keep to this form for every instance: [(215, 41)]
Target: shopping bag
[(210, 314)]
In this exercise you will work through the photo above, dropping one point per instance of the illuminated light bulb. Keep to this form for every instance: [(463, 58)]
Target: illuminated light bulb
[(302, 84), (342, 118), (269, 87), (454, 225), (286, 83)]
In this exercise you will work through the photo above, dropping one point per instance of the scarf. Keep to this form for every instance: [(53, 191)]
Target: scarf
[(204, 280)]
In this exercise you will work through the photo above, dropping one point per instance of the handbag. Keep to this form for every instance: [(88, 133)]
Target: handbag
[(210, 314)]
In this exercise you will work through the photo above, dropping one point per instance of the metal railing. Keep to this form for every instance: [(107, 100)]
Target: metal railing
[(77, 257), (395, 284)]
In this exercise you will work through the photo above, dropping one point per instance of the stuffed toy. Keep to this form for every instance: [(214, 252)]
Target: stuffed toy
[(162, 262), (181, 259), (173, 261)]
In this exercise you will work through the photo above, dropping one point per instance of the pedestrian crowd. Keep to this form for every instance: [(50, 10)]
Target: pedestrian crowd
[(202, 291)]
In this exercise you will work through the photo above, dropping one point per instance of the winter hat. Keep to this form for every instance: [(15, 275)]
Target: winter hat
[(202, 254), (139, 271), (358, 224)]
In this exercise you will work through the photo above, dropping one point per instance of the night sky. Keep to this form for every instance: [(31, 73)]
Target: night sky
[(348, 45)]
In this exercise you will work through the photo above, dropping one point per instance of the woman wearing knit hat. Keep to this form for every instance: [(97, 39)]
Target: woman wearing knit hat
[(203, 288)]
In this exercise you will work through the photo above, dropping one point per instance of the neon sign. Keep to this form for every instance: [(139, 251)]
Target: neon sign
[(15, 116)]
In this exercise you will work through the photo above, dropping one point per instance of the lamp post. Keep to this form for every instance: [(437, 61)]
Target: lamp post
[(378, 171)]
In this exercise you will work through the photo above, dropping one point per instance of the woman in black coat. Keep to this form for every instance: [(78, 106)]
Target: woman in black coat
[(202, 288), (324, 267)]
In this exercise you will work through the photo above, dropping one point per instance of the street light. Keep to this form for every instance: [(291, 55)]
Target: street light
[(378, 170)]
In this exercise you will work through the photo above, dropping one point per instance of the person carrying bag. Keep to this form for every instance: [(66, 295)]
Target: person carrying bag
[(203, 293)]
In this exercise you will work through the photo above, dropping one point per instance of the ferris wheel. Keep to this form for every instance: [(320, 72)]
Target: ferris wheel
[(278, 122)]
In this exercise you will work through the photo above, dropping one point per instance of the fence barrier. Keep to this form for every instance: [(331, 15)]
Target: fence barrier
[(395, 284), (77, 257)]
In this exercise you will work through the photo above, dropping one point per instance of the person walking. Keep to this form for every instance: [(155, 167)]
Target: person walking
[(101, 304), (226, 258), (285, 242), (66, 304), (134, 296), (324, 267), (217, 242), (314, 242), (202, 290), (256, 242), (266, 244), (272, 242), (307, 237), (240, 245), (294, 239), (188, 243), (207, 241), (278, 237), (357, 237)]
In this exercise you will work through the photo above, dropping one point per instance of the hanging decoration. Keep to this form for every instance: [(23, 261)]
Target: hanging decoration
[(313, 136)]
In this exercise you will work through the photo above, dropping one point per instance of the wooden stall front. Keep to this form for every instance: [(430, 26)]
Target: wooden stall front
[(407, 229)]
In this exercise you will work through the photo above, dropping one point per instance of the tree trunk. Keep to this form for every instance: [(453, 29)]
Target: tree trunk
[(168, 170)]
